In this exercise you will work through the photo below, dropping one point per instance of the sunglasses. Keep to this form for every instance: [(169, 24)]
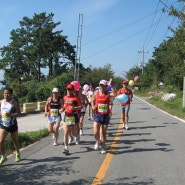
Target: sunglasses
[(69, 89)]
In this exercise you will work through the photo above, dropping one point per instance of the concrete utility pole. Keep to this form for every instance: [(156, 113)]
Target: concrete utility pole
[(78, 48), (143, 58), (183, 104)]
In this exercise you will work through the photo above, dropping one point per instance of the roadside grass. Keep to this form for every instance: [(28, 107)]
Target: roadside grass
[(174, 107), (25, 139)]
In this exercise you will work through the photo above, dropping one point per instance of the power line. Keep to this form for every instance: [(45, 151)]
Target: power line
[(151, 23), (120, 28), (113, 45), (164, 4), (120, 42)]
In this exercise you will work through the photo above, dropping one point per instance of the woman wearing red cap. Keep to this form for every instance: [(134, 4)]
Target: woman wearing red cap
[(71, 105), (125, 107)]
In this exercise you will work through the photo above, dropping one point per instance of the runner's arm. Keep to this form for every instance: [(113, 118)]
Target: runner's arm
[(47, 107)]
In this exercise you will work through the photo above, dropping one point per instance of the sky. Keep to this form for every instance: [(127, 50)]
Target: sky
[(113, 32)]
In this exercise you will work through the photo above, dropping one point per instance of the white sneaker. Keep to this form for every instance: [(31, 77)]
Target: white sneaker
[(123, 125), (70, 140), (103, 151), (81, 132), (96, 146), (126, 127), (55, 144), (76, 141)]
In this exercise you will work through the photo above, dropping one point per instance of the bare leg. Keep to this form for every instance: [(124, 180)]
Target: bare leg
[(96, 130), (103, 134), (3, 135), (56, 131), (15, 141), (66, 129)]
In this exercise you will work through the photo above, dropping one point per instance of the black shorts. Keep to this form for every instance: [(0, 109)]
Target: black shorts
[(10, 129)]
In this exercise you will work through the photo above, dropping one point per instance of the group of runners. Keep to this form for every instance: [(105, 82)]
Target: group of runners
[(72, 106)]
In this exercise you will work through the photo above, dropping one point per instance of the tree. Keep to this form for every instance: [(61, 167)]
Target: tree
[(34, 46)]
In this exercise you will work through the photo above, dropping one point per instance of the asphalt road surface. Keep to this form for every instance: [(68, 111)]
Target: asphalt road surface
[(152, 152)]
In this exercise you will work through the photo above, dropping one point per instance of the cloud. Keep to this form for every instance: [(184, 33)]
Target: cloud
[(91, 8)]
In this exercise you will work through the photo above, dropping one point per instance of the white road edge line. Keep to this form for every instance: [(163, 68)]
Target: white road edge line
[(161, 110)]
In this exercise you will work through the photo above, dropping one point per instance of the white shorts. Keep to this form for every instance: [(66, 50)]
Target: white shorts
[(54, 119)]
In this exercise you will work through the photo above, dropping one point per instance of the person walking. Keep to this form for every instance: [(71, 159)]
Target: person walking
[(71, 105), (125, 107), (52, 107), (89, 96), (101, 106), (85, 103), (10, 110)]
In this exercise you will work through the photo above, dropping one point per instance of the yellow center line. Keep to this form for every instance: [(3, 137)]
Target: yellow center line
[(98, 180)]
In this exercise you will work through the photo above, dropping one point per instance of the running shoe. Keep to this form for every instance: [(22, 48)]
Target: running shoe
[(66, 152), (76, 141), (96, 146), (2, 160), (55, 144), (123, 125), (70, 140), (17, 157), (103, 151), (126, 127), (81, 132)]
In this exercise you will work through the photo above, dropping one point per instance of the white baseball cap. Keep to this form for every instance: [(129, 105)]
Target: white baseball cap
[(103, 82), (55, 90)]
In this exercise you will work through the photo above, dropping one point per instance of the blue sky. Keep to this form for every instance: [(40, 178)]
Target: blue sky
[(113, 31)]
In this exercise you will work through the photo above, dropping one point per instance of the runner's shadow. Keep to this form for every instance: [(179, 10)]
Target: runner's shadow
[(36, 161), (146, 127), (134, 180), (37, 171), (137, 122), (173, 123), (119, 150)]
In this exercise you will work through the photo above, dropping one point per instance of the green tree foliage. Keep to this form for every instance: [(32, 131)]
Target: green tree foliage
[(95, 74), (168, 62), (34, 46)]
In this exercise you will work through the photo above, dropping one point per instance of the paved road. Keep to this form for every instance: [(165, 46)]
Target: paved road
[(152, 152)]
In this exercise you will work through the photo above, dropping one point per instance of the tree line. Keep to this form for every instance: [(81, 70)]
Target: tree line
[(38, 45), (168, 62)]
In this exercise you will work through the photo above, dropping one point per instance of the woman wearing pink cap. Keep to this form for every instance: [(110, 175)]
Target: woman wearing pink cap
[(101, 106)]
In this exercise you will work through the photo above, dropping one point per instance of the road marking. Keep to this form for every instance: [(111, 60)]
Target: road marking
[(161, 110), (98, 180)]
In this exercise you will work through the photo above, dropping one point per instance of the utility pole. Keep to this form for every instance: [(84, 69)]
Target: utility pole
[(143, 58), (78, 48)]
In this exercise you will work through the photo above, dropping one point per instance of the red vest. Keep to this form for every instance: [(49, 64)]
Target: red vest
[(127, 92), (102, 103)]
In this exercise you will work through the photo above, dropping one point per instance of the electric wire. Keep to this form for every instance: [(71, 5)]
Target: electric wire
[(120, 28), (120, 42), (151, 23)]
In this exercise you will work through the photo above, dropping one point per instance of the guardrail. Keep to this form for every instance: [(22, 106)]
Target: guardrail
[(32, 107)]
